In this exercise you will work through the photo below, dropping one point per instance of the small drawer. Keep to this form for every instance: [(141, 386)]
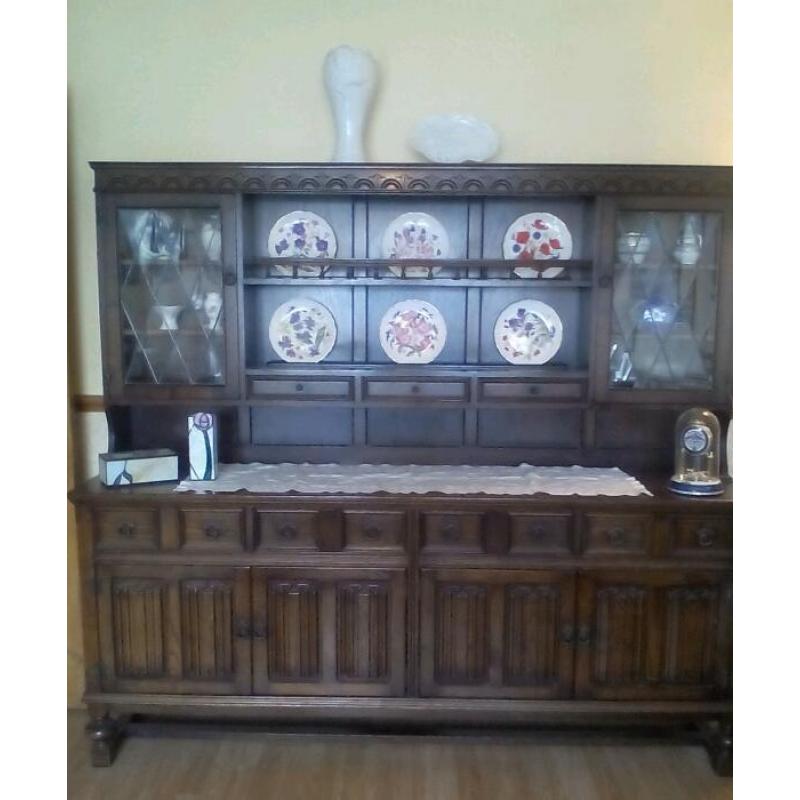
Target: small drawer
[(701, 536), (212, 531), (526, 390), (616, 534), (286, 530), (375, 530), (460, 533), (301, 389), (541, 534), (128, 530), (426, 390)]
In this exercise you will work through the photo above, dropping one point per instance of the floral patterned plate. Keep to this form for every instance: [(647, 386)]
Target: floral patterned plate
[(412, 332), (301, 234), (528, 332), (535, 237), (415, 235), (302, 330)]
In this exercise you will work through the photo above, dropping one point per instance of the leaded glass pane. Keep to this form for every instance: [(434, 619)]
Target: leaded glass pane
[(170, 275), (664, 300)]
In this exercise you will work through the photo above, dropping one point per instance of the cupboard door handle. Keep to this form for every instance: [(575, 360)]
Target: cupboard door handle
[(584, 635), (705, 537), (126, 529), (259, 630), (567, 634), (212, 531), (229, 277), (243, 629), (287, 532)]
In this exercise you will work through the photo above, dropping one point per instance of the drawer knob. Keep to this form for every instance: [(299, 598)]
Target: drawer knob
[(212, 531), (372, 533), (617, 536), (126, 529), (287, 532), (299, 387), (536, 533), (414, 388), (706, 537), (533, 390), (450, 533)]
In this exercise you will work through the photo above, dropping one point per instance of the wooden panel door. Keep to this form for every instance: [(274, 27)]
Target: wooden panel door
[(661, 636), (329, 631), (175, 629), (497, 633)]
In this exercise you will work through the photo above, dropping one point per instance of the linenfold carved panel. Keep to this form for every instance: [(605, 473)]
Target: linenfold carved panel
[(293, 640), (620, 655), (530, 636), (138, 608), (462, 634), (363, 631), (691, 635), (207, 629)]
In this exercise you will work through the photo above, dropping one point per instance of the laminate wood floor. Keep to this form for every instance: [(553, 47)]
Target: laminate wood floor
[(177, 762)]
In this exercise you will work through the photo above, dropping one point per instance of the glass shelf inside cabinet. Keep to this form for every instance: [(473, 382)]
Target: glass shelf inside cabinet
[(664, 300), (171, 290)]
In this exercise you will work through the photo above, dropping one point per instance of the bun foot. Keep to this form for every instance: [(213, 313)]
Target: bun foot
[(105, 735)]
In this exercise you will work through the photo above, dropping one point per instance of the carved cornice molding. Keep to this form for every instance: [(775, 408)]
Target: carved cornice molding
[(483, 180)]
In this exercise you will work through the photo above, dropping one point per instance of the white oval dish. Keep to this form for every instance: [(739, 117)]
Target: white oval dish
[(302, 330), (301, 234), (528, 332), (537, 236), (412, 332), (454, 139), (415, 235)]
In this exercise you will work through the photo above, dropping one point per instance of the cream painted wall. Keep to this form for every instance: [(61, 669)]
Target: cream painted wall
[(631, 81)]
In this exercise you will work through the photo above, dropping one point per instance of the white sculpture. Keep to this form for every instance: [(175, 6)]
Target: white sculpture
[(455, 139), (351, 76)]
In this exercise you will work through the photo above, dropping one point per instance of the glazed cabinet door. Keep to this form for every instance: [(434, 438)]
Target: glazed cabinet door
[(664, 301), (660, 636), (497, 633), (168, 269), (329, 631), (174, 629)]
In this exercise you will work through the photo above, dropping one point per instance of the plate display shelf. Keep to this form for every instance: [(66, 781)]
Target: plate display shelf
[(188, 288)]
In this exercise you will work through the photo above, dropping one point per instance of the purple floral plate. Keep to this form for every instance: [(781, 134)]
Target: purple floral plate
[(415, 235), (301, 234), (528, 332), (302, 330), (412, 332)]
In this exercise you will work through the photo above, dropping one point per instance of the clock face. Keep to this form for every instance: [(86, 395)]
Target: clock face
[(697, 439)]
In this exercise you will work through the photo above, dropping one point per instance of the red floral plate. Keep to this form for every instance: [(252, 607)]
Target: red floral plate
[(537, 236)]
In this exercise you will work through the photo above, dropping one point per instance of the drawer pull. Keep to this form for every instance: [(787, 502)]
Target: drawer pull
[(617, 536), (567, 634), (450, 533), (126, 529), (287, 532), (212, 531), (372, 533), (706, 537)]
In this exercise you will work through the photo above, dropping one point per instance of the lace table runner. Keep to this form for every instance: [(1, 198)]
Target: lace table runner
[(414, 479)]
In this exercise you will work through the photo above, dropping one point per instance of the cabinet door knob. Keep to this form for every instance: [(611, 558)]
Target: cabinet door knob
[(584, 635), (213, 532), (705, 537), (242, 629), (126, 529), (567, 634)]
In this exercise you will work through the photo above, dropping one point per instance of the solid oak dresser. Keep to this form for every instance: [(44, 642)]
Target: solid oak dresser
[(410, 610)]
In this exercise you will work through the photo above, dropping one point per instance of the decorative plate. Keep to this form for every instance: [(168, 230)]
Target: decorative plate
[(412, 332), (415, 235), (302, 330), (537, 236), (301, 234), (528, 332)]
